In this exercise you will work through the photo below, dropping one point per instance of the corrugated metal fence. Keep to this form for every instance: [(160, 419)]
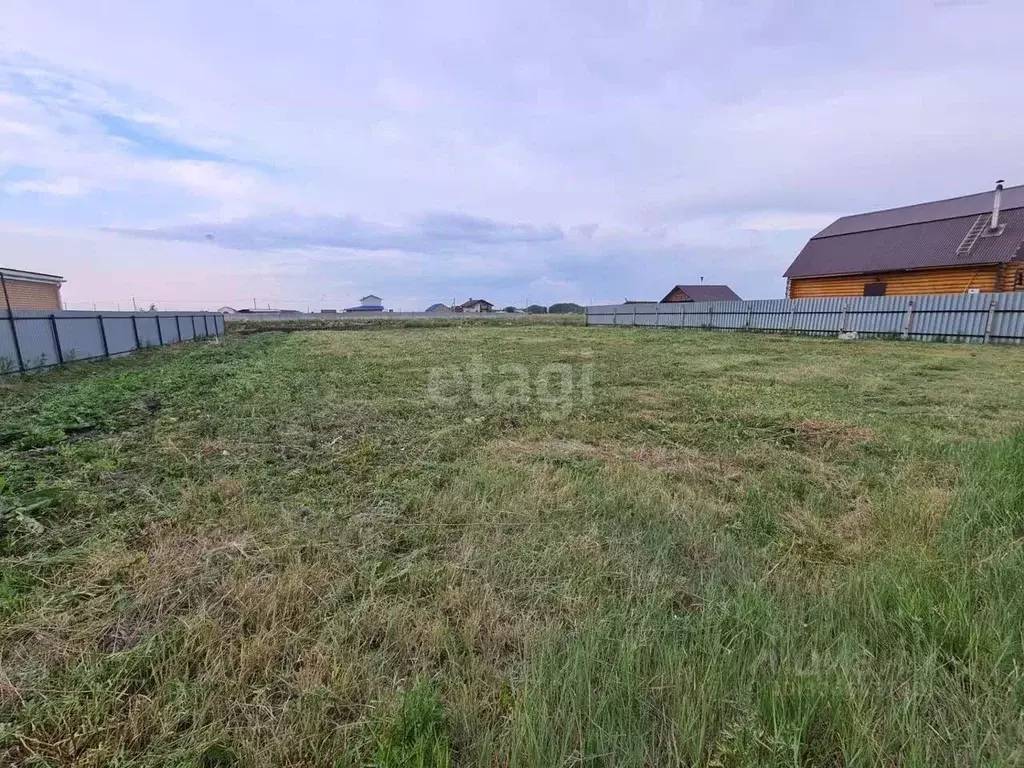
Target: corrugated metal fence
[(32, 339), (987, 317)]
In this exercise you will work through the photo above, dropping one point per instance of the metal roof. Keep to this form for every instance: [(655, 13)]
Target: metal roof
[(705, 292), (953, 208), (914, 237), (30, 277)]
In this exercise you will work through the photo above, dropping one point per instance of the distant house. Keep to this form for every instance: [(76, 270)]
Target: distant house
[(681, 293), (969, 244), (475, 305), (438, 308), (368, 303), (29, 290)]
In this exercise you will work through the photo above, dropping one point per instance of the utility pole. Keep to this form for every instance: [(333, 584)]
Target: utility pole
[(135, 307)]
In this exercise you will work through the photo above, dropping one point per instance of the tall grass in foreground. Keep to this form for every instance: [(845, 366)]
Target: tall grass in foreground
[(911, 661), (747, 550)]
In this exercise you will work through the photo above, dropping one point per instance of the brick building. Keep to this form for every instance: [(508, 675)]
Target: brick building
[(29, 290)]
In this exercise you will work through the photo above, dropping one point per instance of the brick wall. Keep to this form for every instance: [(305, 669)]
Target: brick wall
[(26, 295)]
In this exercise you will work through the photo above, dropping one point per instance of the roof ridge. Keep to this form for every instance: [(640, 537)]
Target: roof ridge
[(821, 236), (931, 202)]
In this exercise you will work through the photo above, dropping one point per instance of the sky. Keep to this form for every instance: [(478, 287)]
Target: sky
[(300, 155)]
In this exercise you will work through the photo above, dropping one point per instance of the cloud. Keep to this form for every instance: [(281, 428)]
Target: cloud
[(786, 221), (67, 186), (146, 138), (78, 136), (519, 148), (426, 234)]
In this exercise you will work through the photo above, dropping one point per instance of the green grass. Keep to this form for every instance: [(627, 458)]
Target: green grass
[(238, 324), (742, 550)]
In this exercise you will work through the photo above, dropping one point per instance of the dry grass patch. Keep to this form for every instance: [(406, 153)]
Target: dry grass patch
[(678, 461), (829, 434)]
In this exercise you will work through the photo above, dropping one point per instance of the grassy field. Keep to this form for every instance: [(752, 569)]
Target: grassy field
[(241, 325), (515, 546)]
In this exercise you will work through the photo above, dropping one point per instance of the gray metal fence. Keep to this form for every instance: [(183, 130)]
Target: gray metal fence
[(987, 317), (33, 339)]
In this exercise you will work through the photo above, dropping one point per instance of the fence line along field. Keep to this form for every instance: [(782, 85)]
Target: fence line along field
[(513, 545)]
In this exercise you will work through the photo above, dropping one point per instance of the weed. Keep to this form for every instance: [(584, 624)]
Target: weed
[(414, 733)]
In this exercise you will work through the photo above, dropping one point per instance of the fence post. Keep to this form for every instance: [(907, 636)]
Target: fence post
[(792, 316), (657, 315), (846, 311), (135, 330), (159, 330), (14, 326), (56, 339), (991, 318), (103, 336), (907, 324), (177, 323), (750, 315), (193, 319)]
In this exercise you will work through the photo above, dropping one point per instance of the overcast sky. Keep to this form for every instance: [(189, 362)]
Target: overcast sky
[(196, 154)]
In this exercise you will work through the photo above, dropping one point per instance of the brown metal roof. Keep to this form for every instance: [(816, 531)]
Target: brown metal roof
[(705, 292), (914, 237), (953, 208)]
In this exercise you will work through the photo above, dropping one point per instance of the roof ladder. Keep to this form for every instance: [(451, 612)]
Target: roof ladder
[(977, 230)]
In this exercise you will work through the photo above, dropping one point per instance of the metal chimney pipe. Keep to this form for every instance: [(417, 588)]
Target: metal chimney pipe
[(997, 200)]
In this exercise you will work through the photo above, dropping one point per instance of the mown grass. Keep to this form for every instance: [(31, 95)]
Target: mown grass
[(742, 550)]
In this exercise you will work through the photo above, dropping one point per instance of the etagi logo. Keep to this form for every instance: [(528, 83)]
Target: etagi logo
[(557, 387)]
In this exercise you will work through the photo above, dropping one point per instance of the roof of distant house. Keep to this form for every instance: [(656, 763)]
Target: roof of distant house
[(370, 296), (437, 307), (915, 237), (30, 277), (705, 292), (474, 303)]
